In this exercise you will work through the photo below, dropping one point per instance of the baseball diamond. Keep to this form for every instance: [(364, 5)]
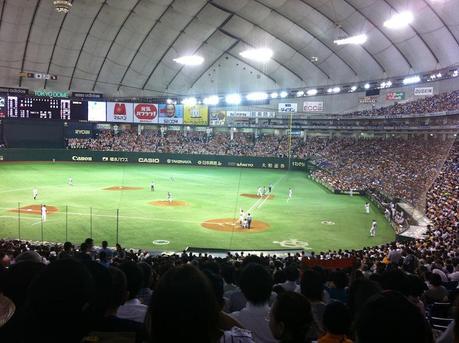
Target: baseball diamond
[(200, 194)]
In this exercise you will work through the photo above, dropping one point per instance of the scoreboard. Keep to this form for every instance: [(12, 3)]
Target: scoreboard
[(19, 106)]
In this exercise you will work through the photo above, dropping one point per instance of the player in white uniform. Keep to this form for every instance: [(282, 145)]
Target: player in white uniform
[(367, 208), (259, 193), (290, 193), (169, 197), (374, 225), (241, 218), (44, 211), (35, 193), (70, 182)]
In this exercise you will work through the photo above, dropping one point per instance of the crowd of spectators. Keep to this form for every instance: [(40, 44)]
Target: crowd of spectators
[(401, 168), (447, 101)]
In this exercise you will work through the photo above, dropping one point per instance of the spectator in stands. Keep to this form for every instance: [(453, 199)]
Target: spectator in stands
[(145, 291), (337, 323), (256, 284), (67, 251), (117, 294), (437, 292), (359, 292), (57, 303), (290, 319), (313, 289), (390, 317), (108, 252), (184, 308), (291, 275), (132, 309)]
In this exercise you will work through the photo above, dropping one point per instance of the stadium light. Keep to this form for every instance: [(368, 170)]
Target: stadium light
[(299, 93), (356, 40), (311, 92), (336, 90), (399, 20), (258, 55), (455, 73), (190, 60), (189, 101), (233, 99), (169, 101), (411, 79), (274, 95), (329, 90), (385, 84), (366, 86), (353, 89), (211, 100), (257, 96), (283, 94)]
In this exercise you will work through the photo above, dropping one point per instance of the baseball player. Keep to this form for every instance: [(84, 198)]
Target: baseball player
[(169, 197), (44, 211), (290, 194), (241, 218), (259, 193), (373, 228), (152, 186), (35, 193), (270, 188), (70, 181), (367, 208)]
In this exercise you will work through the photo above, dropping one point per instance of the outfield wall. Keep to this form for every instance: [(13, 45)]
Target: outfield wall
[(150, 158)]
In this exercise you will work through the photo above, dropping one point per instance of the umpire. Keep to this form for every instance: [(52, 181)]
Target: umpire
[(249, 220)]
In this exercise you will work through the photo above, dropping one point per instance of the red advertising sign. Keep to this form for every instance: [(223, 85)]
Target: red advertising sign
[(145, 113)]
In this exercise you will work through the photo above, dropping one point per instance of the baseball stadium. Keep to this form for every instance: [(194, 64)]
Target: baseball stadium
[(288, 169)]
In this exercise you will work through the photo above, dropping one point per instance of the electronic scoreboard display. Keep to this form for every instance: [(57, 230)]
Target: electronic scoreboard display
[(45, 108)]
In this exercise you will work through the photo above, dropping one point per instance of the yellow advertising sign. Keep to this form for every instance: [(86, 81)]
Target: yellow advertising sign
[(196, 115)]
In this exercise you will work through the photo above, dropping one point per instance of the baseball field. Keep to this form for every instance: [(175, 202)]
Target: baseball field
[(114, 201)]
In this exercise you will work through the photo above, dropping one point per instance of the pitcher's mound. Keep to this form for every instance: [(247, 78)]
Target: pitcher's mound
[(165, 203), (232, 225), (122, 188), (254, 196), (34, 209)]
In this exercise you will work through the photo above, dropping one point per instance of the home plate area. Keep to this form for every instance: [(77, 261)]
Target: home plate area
[(232, 225)]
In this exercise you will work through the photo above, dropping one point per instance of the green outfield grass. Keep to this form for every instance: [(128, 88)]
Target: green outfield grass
[(87, 209)]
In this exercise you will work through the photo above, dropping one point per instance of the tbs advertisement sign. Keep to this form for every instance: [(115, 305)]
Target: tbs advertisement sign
[(170, 114), (121, 112), (146, 113)]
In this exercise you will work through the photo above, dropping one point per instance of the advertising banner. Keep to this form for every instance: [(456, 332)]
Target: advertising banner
[(368, 100), (78, 130), (170, 114), (121, 112), (423, 91), (2, 105), (146, 113), (289, 107), (97, 111), (84, 95), (250, 114), (313, 106), (217, 118), (395, 96), (196, 115)]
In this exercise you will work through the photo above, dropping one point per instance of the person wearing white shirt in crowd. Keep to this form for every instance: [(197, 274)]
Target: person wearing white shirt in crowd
[(132, 309), (291, 274), (256, 284)]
